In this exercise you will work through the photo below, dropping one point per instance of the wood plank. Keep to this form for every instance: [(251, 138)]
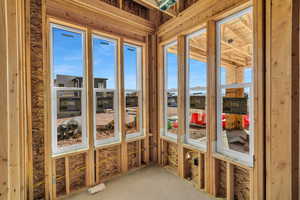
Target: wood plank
[(258, 174), (282, 96), (230, 182), (122, 118), (67, 174), (12, 67), (181, 52), (90, 164), (113, 12), (88, 18), (211, 106)]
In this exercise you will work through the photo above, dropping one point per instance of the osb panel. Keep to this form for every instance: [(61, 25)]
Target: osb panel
[(37, 88), (112, 2), (172, 155), (136, 9), (77, 170), (221, 184), (60, 169), (188, 3), (241, 183), (109, 162), (133, 155)]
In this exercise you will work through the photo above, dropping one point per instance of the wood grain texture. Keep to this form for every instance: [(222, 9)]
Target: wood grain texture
[(282, 99)]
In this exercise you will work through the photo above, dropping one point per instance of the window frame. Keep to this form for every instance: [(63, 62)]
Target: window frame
[(139, 78), (188, 140), (117, 132), (239, 156), (165, 133), (54, 143)]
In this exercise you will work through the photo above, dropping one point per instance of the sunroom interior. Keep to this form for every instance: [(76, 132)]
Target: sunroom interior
[(149, 99)]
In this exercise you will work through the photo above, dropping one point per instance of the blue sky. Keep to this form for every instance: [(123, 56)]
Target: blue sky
[(67, 53), (68, 60)]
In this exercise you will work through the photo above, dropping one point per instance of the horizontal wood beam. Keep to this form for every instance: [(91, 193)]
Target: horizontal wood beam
[(83, 17), (113, 13)]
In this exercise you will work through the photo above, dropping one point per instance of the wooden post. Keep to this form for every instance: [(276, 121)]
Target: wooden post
[(257, 178), (90, 107), (211, 108), (13, 100), (282, 99), (122, 118), (181, 55)]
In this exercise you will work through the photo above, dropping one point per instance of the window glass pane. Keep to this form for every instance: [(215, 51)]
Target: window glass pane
[(171, 86), (235, 119), (67, 58), (235, 60), (104, 71), (132, 76), (69, 117), (197, 88), (68, 91), (105, 115), (104, 63)]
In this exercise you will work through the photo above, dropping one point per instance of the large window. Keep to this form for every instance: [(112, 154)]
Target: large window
[(105, 90), (235, 86), (171, 90), (68, 89), (196, 94), (133, 90)]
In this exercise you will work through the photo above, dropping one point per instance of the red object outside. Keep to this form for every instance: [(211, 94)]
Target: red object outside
[(199, 119), (246, 121), (175, 124)]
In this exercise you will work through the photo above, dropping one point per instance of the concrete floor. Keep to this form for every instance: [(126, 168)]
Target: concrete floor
[(150, 183)]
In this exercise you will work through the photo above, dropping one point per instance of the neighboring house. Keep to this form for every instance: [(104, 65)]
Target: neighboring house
[(69, 102)]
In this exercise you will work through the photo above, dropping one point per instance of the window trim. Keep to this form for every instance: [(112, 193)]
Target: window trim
[(188, 140), (54, 143), (165, 133), (117, 133), (240, 157), (139, 52)]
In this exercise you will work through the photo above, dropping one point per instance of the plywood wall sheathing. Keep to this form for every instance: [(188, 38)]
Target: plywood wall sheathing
[(77, 171), (221, 182), (170, 156), (60, 178), (108, 163), (37, 98), (241, 186), (133, 153), (136, 9)]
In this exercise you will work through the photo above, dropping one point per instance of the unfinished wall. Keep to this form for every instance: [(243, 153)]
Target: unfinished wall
[(108, 163), (37, 100)]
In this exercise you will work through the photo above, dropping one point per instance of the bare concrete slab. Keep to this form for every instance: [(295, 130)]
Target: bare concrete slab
[(150, 183)]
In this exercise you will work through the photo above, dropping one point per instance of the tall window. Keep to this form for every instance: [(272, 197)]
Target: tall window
[(68, 89), (196, 89), (235, 86), (171, 90), (133, 90), (105, 90)]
